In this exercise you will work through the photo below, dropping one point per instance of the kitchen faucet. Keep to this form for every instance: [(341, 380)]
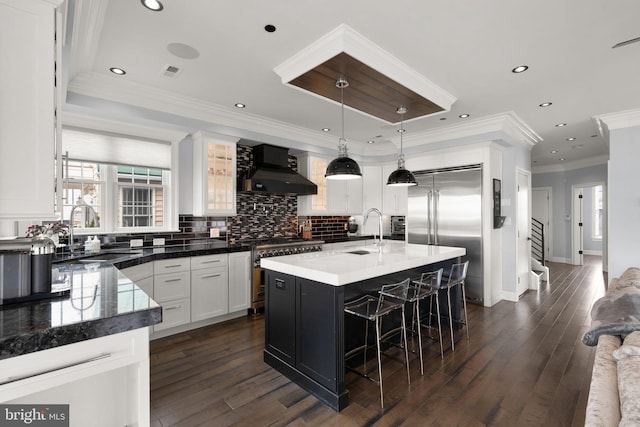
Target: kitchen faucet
[(80, 205), (364, 223)]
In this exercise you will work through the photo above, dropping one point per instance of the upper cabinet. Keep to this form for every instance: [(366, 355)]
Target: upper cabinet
[(344, 197), (335, 197), (208, 163), (313, 168), (394, 199), (28, 108)]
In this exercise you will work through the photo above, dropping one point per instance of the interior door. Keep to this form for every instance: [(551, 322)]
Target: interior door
[(577, 242), (541, 210), (523, 246)]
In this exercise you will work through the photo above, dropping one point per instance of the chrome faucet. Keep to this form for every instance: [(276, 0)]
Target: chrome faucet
[(81, 205), (364, 224)]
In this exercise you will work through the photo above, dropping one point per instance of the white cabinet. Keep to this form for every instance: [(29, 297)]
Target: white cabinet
[(371, 188), (27, 108), (209, 286), (344, 196), (105, 381), (239, 281), (313, 168), (172, 290), (394, 199), (208, 163)]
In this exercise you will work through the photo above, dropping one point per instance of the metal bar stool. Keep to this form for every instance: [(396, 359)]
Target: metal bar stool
[(426, 287), (457, 277), (373, 309)]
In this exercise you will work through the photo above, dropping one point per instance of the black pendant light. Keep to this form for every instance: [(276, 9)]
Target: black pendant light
[(401, 177), (343, 167)]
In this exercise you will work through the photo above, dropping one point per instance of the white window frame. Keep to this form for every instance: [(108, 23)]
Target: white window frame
[(594, 212), (103, 208), (165, 203)]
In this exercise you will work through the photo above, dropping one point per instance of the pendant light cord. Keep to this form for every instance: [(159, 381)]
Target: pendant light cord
[(342, 142), (401, 110)]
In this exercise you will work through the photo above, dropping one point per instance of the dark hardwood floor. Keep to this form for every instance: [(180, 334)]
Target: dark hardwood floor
[(524, 365)]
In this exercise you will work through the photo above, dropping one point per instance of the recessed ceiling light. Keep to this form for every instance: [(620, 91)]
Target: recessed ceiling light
[(546, 104), (118, 71), (371, 141), (325, 129), (572, 138), (240, 105), (554, 151), (270, 28), (463, 116), (559, 125), (154, 5), (520, 69), (401, 130), (561, 159)]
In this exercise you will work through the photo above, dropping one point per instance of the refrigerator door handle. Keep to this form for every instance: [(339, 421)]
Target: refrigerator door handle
[(429, 216), (436, 202)]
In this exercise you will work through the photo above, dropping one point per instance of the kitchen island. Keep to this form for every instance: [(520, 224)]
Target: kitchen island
[(306, 332)]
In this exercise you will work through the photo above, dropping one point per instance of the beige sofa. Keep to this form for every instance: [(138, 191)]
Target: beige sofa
[(614, 395)]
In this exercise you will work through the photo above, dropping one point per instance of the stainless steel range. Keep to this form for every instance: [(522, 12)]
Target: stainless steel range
[(273, 248)]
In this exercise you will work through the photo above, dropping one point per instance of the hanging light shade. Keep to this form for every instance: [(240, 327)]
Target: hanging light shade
[(401, 177), (342, 167)]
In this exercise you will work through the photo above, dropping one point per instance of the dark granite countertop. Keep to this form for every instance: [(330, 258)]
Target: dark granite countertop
[(126, 257), (101, 301)]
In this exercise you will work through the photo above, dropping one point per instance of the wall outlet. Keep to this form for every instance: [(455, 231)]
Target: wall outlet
[(136, 243), (158, 241)]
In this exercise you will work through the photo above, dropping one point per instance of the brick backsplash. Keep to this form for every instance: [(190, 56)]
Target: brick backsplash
[(326, 227)]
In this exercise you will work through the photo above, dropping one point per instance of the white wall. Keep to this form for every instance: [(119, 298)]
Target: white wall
[(624, 200), (561, 183)]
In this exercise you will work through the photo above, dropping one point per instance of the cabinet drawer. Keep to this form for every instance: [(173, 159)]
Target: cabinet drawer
[(209, 261), (167, 287), (174, 313), (171, 265)]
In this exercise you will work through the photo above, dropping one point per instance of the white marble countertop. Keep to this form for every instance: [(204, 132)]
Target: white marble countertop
[(340, 267)]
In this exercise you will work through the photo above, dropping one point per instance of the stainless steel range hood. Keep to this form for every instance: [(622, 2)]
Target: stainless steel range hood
[(271, 174)]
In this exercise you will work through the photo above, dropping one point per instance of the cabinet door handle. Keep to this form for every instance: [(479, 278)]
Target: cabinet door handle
[(279, 283), (210, 276), (173, 307), (173, 266), (58, 368), (172, 280), (210, 262)]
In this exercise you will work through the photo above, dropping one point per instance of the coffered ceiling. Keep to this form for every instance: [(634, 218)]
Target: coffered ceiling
[(188, 65)]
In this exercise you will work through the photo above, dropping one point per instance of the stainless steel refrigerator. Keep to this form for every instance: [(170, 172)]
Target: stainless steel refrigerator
[(445, 209)]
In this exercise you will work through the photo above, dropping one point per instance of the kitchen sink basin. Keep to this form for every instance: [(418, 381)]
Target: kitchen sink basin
[(359, 252), (106, 256)]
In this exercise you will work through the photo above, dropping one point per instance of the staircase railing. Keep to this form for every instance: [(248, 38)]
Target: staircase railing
[(537, 240)]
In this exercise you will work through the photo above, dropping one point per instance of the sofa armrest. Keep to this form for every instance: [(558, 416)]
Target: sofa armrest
[(603, 405)]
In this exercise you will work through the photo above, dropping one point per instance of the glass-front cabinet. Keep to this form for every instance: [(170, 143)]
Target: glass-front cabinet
[(208, 163)]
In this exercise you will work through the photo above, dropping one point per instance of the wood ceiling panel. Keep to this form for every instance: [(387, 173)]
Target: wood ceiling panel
[(369, 90)]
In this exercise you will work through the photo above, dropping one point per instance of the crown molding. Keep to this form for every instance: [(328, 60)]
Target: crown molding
[(619, 120), (88, 21), (105, 87), (345, 39), (122, 128), (569, 166), (506, 126)]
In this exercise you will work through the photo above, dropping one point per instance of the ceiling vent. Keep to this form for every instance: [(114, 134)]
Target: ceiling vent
[(170, 71)]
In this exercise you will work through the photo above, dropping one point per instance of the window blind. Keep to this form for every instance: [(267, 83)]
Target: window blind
[(114, 149)]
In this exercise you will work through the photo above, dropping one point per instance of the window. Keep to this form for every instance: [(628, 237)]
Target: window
[(597, 210), (140, 197), (108, 198), (82, 194)]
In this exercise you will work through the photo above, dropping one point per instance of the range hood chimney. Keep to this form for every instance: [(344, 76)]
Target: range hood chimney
[(271, 173)]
